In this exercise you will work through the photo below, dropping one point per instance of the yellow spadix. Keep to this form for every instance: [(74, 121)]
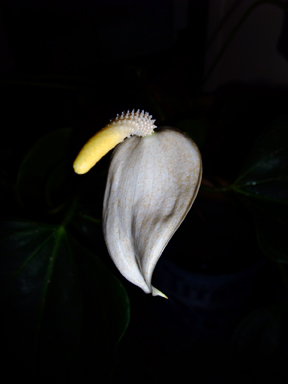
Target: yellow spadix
[(134, 123)]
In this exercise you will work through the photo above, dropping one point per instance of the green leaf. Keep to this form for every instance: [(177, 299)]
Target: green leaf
[(263, 185), (40, 289), (46, 169), (105, 296), (61, 308), (89, 230), (265, 172), (258, 346)]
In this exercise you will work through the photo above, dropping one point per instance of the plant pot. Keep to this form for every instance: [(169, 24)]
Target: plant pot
[(202, 306), (208, 270)]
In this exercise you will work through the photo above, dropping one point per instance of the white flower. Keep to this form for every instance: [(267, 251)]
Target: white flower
[(152, 183)]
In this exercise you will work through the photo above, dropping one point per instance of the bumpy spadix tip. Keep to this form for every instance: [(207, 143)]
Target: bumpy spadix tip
[(140, 123), (124, 125)]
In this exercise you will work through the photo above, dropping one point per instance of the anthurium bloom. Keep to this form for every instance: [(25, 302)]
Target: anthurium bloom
[(152, 183)]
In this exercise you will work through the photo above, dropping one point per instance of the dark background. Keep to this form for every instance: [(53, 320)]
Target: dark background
[(79, 63)]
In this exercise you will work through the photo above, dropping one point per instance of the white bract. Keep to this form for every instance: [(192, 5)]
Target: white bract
[(152, 183)]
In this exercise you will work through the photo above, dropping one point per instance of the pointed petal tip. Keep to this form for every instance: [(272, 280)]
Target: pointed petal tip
[(156, 292)]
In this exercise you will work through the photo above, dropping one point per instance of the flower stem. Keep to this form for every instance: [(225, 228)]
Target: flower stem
[(228, 188), (70, 212)]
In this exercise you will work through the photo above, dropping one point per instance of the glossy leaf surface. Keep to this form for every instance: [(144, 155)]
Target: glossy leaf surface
[(265, 172), (60, 303), (263, 184)]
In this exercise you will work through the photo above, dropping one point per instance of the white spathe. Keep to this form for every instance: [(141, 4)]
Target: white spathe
[(152, 183)]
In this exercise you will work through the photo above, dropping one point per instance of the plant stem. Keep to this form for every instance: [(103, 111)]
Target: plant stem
[(216, 189), (70, 212)]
